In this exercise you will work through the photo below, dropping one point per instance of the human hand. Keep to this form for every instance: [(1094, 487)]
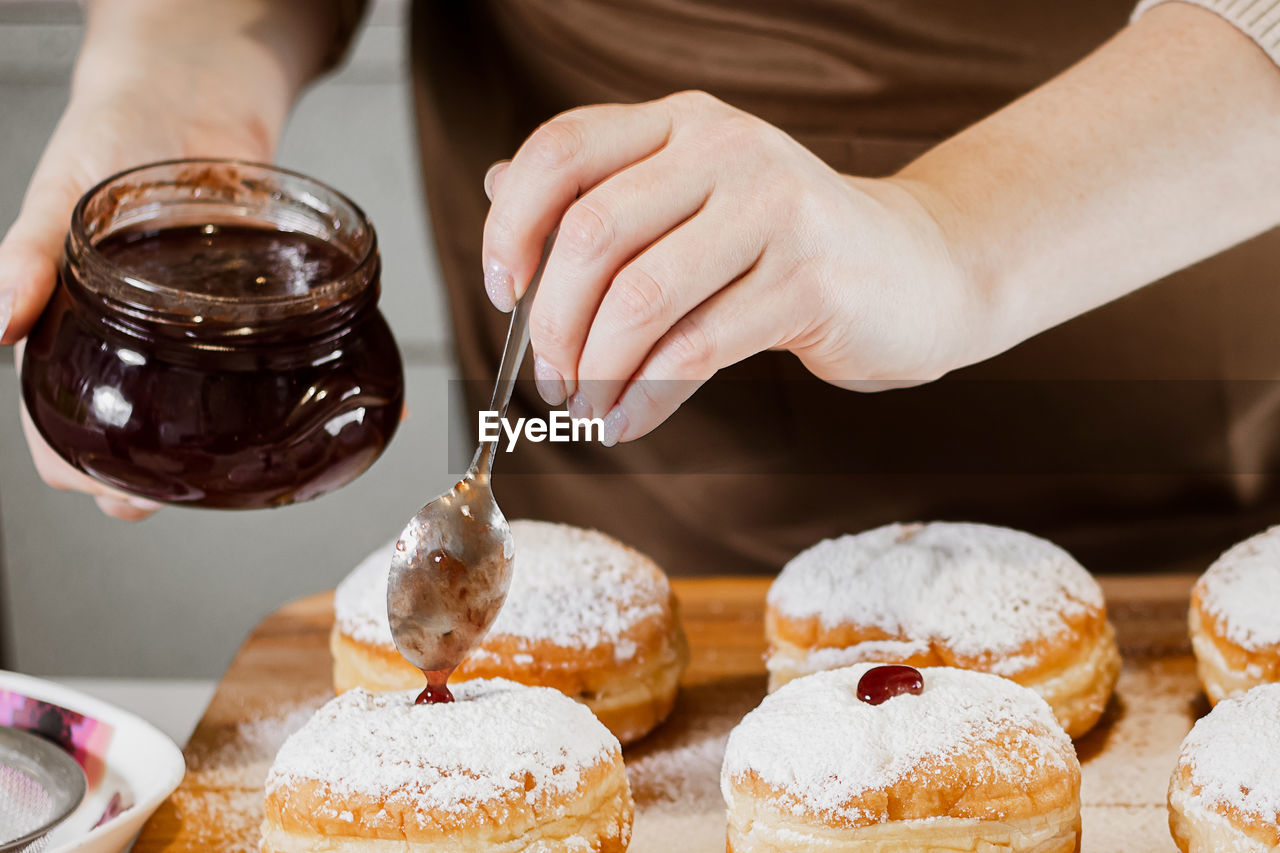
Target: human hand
[(693, 235), (121, 114)]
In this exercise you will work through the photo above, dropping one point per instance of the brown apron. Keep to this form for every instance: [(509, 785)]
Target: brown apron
[(1141, 436)]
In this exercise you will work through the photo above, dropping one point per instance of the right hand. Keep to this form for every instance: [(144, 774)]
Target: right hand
[(116, 119)]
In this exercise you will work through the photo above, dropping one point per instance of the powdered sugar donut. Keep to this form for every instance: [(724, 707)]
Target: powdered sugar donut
[(585, 614), (503, 768), (1224, 796), (1235, 626), (973, 762), (946, 594)]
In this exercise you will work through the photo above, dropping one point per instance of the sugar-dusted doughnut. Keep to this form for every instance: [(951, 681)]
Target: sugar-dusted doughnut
[(945, 594), (969, 762), (1224, 796), (504, 768), (1235, 618), (586, 615)]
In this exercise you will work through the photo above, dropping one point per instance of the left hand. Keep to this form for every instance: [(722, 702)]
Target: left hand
[(693, 235)]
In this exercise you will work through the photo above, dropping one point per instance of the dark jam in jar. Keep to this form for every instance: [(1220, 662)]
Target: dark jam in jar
[(227, 261), (214, 339)]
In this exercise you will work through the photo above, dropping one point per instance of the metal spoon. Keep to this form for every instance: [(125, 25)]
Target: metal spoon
[(451, 567)]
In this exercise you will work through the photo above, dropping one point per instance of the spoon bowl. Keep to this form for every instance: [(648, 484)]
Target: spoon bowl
[(450, 573)]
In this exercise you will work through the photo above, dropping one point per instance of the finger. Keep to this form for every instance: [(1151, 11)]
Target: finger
[(650, 294), (27, 279), (599, 233), (560, 160), (491, 177), (57, 473), (7, 298), (748, 316), (30, 252), (122, 509)]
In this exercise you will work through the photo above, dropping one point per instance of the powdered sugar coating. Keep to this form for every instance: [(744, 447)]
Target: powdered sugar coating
[(1234, 754), (1241, 591), (869, 652), (572, 587), (486, 745), (976, 588), (817, 741)]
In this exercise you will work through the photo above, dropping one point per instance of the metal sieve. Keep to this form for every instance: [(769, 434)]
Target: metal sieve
[(40, 786)]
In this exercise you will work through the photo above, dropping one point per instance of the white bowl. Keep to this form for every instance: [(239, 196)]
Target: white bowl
[(139, 763)]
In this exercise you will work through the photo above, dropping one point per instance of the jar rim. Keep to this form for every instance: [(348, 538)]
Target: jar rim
[(80, 243)]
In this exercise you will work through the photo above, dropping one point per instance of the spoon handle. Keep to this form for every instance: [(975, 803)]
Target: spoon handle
[(512, 358)]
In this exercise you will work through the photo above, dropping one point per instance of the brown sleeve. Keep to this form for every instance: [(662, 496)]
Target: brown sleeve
[(347, 15)]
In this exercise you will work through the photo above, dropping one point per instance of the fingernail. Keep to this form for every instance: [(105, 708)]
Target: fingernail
[(579, 407), (500, 286), (491, 178), (143, 504), (6, 310), (549, 381), (615, 424)]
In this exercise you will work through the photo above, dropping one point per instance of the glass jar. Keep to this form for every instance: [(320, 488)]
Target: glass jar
[(214, 339)]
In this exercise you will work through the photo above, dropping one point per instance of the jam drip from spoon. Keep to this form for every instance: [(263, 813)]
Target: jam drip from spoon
[(437, 692)]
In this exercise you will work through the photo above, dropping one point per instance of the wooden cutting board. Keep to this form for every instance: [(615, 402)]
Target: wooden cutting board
[(282, 673)]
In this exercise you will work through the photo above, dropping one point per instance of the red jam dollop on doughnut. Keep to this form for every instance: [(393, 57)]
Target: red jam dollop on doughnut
[(882, 683)]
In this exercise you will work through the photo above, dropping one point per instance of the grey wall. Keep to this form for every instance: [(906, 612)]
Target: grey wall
[(81, 594)]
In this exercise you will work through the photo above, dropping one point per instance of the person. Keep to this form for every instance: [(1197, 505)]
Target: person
[(804, 199)]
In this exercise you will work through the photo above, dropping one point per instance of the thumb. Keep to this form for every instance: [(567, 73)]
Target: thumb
[(31, 252)]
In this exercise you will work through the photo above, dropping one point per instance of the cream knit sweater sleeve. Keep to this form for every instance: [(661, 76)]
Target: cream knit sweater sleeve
[(1258, 19)]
